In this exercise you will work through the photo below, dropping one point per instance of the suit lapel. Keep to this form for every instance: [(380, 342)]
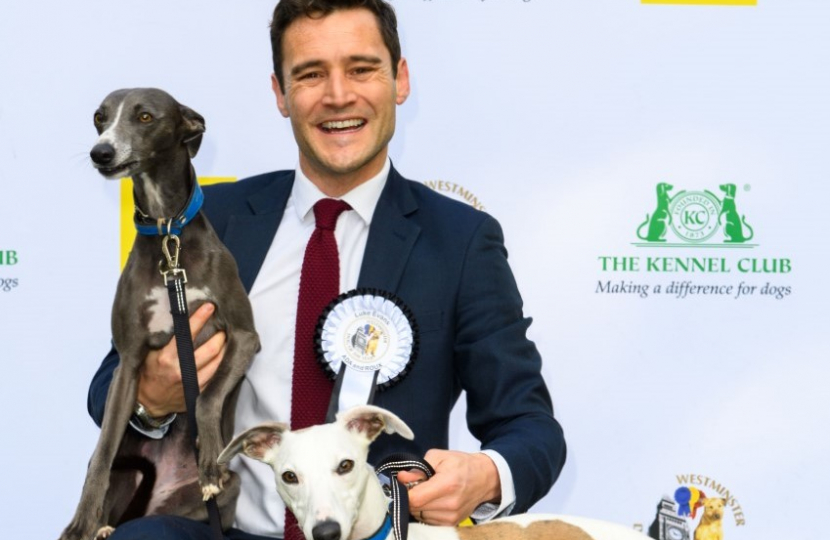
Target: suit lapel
[(248, 236), (391, 236)]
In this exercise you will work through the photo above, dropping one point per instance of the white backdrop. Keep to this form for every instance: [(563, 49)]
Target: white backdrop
[(559, 117)]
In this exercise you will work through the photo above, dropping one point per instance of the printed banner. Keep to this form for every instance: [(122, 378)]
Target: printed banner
[(659, 169)]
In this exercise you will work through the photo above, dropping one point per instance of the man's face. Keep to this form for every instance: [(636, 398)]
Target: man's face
[(340, 95)]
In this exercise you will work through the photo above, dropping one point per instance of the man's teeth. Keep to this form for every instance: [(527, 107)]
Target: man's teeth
[(343, 124)]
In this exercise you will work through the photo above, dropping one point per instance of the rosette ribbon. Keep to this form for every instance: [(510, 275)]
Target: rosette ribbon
[(366, 340)]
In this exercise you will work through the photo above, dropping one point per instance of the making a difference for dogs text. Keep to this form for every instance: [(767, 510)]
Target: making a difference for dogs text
[(683, 288)]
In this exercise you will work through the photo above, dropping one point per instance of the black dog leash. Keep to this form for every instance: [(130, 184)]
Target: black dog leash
[(175, 279), (390, 467)]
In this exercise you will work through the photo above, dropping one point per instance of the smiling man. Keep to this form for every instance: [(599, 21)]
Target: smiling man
[(339, 77), (339, 85)]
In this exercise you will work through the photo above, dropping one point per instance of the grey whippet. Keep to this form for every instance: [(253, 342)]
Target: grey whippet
[(146, 134)]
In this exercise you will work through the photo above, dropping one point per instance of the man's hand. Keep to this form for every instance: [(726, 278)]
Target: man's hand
[(461, 483), (160, 380)]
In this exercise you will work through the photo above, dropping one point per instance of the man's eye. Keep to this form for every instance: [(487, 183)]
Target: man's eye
[(311, 75)]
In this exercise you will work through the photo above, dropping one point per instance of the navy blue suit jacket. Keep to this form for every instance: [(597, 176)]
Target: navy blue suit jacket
[(448, 263)]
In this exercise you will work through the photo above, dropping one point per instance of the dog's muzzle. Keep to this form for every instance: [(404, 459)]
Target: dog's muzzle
[(326, 530), (102, 154)]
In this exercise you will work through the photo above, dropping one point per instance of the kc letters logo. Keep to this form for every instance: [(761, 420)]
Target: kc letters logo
[(695, 217)]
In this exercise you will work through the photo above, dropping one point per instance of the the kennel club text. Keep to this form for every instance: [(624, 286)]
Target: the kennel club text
[(705, 265)]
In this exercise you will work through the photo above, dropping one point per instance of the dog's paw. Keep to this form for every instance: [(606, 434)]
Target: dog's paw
[(210, 474), (209, 491), (104, 532)]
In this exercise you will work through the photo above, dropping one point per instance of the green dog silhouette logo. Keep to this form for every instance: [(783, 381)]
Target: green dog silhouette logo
[(695, 216), (658, 222), (733, 224)]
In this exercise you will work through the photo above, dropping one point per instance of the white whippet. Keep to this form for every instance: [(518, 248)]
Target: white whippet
[(322, 475)]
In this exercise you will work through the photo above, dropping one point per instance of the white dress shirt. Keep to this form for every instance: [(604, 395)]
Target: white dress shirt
[(265, 393)]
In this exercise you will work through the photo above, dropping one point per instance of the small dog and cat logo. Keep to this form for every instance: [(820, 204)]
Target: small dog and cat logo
[(696, 511), (365, 340), (695, 218)]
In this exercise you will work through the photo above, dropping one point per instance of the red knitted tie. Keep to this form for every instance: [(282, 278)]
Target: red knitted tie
[(319, 285)]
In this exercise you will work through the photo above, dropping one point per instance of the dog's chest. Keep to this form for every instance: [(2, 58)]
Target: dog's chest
[(157, 307), (175, 467)]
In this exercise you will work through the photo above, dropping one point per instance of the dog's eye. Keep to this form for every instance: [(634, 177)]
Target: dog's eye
[(289, 477), (145, 117), (98, 119), (345, 466)]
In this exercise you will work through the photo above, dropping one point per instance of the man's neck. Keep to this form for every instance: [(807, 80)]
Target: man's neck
[(337, 185)]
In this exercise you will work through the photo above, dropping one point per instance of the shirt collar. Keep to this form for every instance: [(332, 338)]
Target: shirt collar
[(363, 199)]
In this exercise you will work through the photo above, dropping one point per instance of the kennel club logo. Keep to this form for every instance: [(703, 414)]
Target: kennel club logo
[(8, 257), (690, 218), (699, 509)]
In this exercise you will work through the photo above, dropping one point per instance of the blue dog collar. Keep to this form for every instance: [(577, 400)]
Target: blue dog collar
[(146, 226), (383, 532)]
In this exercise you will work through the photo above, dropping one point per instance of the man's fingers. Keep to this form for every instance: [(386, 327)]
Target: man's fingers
[(208, 370), (428, 492), (210, 351), (436, 456), (411, 476), (438, 517), (200, 317)]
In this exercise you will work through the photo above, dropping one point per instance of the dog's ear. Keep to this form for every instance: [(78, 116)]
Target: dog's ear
[(369, 421), (194, 126), (258, 443)]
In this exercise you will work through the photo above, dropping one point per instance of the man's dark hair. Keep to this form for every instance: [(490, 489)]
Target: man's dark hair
[(288, 11)]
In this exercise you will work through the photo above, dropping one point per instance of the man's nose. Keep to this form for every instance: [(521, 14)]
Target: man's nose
[(339, 91)]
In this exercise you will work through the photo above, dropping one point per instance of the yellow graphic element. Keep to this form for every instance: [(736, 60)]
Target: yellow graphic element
[(466, 523), (128, 207), (703, 2), (695, 498)]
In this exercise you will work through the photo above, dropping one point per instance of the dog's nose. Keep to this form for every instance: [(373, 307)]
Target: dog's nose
[(326, 530), (102, 153)]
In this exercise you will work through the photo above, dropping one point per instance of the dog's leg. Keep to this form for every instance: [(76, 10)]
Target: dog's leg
[(120, 401), (241, 347)]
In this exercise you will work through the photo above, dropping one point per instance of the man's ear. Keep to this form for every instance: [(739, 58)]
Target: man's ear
[(260, 442), (402, 87), (369, 421), (281, 105), (194, 126)]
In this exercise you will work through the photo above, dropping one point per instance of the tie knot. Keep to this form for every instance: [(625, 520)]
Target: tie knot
[(326, 212)]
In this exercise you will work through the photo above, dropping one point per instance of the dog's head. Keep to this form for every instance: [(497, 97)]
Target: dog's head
[(713, 508), (136, 126), (663, 189), (728, 189), (321, 471)]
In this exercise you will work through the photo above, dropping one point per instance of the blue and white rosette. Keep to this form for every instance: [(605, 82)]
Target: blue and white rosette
[(366, 340)]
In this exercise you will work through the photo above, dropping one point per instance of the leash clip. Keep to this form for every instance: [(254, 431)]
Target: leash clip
[(172, 262)]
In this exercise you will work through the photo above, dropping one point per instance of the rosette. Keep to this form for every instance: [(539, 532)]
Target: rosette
[(366, 340)]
